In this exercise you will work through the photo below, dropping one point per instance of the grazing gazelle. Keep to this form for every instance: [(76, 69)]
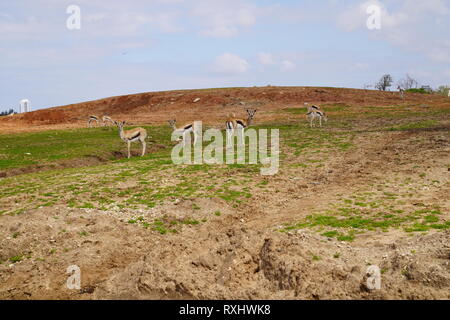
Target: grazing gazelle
[(316, 114), (92, 119), (132, 135), (184, 130), (234, 124), (107, 119)]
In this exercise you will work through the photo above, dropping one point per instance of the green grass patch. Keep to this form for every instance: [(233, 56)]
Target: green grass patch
[(415, 125), (16, 259)]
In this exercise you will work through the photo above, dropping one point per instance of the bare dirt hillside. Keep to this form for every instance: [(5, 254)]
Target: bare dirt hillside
[(211, 106)]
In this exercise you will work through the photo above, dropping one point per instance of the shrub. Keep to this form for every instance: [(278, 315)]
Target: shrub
[(414, 90)]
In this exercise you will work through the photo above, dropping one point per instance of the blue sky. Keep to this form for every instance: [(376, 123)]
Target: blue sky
[(149, 45)]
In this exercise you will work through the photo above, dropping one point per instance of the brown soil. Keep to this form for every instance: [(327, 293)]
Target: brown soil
[(214, 105)]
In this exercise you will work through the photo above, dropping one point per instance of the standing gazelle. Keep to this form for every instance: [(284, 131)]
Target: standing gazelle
[(316, 114), (92, 118), (401, 91), (311, 108), (132, 135), (184, 130), (234, 124)]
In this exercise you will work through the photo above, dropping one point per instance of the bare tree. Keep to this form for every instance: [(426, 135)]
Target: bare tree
[(408, 83), (384, 83)]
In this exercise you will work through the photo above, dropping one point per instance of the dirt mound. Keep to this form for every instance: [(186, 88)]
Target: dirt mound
[(242, 264), (209, 105)]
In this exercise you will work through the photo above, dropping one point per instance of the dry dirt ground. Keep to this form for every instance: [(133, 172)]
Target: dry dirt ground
[(260, 246)]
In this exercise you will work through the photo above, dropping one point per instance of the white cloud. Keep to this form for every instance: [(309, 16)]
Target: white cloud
[(268, 59), (355, 17), (287, 65), (265, 58), (229, 63), (415, 26), (224, 19)]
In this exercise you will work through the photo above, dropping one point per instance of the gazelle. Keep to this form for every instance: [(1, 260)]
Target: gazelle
[(401, 91), (234, 124), (106, 119), (316, 114), (184, 130), (92, 119), (132, 135), (311, 108)]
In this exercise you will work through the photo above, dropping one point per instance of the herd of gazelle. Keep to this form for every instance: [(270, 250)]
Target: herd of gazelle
[(232, 125), (105, 119)]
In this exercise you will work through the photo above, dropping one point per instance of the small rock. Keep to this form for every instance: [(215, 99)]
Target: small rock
[(196, 100)]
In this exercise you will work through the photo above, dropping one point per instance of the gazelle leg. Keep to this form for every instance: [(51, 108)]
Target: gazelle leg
[(228, 137), (320, 122), (184, 139), (242, 136), (231, 137), (195, 138), (129, 155), (144, 147)]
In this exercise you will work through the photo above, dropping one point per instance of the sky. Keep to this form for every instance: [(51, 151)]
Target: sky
[(133, 46)]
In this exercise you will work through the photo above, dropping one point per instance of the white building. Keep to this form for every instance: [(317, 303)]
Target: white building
[(25, 106)]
